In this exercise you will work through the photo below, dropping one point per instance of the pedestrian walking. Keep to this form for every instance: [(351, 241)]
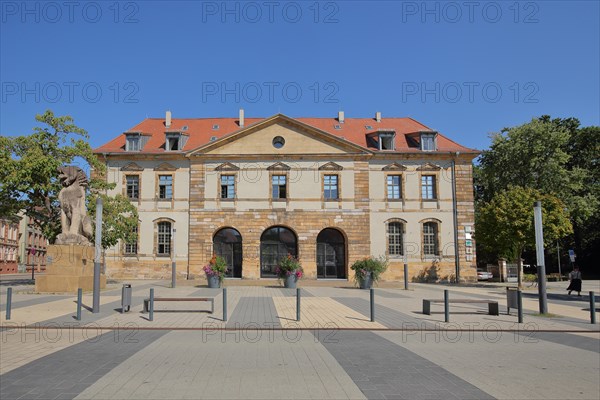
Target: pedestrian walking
[(575, 281)]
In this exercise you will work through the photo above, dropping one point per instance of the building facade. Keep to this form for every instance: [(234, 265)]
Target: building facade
[(9, 248), (32, 246), (327, 190)]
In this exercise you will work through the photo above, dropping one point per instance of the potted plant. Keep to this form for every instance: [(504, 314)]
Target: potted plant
[(368, 270), (215, 271), (289, 271)]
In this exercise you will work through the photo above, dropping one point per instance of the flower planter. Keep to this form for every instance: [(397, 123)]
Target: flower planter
[(290, 281), (213, 281), (367, 281)]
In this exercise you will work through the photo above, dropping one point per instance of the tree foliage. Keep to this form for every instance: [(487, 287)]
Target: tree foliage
[(506, 223), (29, 173), (553, 156)]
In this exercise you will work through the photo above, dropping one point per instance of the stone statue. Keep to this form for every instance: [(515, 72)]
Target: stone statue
[(76, 224)]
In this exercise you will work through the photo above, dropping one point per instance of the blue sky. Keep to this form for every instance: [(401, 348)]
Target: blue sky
[(463, 68)]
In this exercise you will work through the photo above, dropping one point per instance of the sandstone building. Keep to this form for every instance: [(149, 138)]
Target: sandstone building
[(329, 190)]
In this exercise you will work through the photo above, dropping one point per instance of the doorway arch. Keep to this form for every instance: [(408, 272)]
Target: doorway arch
[(331, 254), (227, 243), (276, 243)]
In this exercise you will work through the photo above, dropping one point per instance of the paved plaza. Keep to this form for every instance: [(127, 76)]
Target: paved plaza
[(333, 352)]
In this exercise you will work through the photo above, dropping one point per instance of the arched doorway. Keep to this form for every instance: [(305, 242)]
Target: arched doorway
[(275, 243), (227, 243), (331, 254)]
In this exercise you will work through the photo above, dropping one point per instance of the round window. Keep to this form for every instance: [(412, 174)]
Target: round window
[(278, 142)]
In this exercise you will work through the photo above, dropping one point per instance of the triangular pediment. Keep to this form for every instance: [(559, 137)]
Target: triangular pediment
[(165, 167), (132, 167), (227, 167), (279, 166), (276, 136), (429, 167), (394, 167), (330, 166)]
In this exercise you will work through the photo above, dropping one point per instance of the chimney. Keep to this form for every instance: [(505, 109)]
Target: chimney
[(241, 121), (341, 117), (378, 116), (168, 119)]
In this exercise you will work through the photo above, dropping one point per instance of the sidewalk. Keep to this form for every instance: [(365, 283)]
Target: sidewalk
[(333, 352)]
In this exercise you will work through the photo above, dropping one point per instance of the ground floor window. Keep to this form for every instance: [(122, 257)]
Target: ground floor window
[(276, 243)]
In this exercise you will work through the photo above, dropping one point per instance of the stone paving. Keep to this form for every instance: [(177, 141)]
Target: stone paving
[(333, 352)]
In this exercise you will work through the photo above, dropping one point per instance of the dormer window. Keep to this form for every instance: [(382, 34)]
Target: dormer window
[(133, 142), (173, 142), (428, 142), (386, 140)]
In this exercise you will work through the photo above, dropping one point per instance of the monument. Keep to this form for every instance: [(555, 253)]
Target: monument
[(70, 261)]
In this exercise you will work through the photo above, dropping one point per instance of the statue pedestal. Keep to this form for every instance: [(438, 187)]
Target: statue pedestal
[(68, 268)]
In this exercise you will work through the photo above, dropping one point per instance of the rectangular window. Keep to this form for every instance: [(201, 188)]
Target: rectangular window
[(164, 238), (172, 143), (386, 141), (395, 239), (279, 186), (132, 247), (133, 143), (394, 188), (428, 142), (330, 187), (227, 186), (165, 187), (133, 187), (430, 245), (428, 187)]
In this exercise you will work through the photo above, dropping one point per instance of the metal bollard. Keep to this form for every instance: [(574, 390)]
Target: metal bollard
[(446, 306), (8, 302), (592, 308), (79, 301), (405, 276), (372, 293), (520, 306), (151, 306), (297, 304), (224, 304)]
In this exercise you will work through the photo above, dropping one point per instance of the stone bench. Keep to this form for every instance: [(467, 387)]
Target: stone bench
[(492, 304), (212, 301)]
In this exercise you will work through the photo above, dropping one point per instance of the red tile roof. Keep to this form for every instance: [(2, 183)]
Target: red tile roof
[(200, 130)]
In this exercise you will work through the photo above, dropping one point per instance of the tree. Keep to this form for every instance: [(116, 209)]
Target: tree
[(29, 176), (556, 157), (505, 224)]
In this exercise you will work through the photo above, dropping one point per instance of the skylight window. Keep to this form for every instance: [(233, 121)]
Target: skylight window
[(368, 127), (337, 126), (215, 127)]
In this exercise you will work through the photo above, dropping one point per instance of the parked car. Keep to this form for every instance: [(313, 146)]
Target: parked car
[(484, 275)]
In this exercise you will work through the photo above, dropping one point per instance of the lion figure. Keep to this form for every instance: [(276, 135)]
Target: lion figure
[(76, 224)]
